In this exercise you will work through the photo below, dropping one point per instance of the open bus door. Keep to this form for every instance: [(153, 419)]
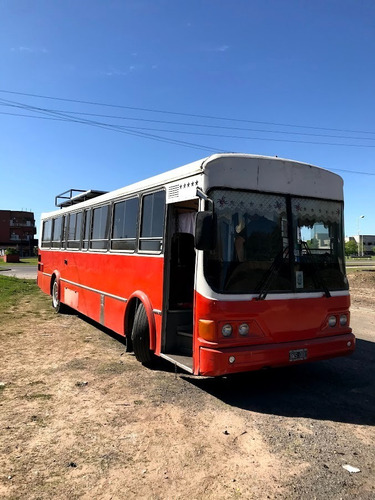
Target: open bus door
[(179, 275)]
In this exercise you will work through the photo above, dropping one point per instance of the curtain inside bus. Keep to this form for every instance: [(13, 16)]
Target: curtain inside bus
[(276, 242)]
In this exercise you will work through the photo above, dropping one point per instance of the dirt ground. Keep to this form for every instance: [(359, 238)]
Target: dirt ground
[(79, 418)]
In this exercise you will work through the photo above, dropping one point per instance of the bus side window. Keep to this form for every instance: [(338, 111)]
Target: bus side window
[(57, 230), (78, 232), (100, 228), (47, 233), (74, 230), (152, 222), (64, 242), (86, 229), (124, 226)]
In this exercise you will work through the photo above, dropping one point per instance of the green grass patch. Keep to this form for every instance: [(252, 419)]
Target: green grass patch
[(14, 289), (24, 261), (365, 257)]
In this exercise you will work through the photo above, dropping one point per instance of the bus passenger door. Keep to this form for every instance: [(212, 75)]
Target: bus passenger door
[(179, 279)]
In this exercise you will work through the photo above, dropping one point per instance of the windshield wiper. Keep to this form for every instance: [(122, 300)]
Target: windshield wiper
[(265, 283), (317, 276)]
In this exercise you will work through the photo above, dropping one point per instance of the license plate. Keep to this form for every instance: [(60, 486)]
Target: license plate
[(298, 355)]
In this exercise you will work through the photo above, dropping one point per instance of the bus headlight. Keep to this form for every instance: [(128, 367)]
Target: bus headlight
[(332, 321), (343, 319), (227, 330), (243, 329)]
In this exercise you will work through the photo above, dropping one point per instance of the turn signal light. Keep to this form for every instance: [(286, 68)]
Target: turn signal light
[(206, 329)]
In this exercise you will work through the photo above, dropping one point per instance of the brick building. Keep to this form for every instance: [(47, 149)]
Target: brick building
[(17, 230)]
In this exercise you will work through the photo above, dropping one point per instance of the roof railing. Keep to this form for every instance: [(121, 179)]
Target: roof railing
[(73, 196)]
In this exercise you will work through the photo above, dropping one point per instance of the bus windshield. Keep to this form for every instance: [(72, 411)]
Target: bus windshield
[(275, 243)]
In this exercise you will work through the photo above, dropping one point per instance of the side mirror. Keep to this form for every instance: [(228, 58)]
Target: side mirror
[(205, 231)]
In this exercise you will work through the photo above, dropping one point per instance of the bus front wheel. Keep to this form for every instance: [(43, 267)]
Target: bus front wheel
[(141, 337), (58, 306)]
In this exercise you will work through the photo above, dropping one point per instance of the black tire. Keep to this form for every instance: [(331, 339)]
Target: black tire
[(58, 306), (141, 337)]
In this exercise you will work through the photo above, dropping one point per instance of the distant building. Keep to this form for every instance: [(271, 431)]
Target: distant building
[(17, 230), (365, 242)]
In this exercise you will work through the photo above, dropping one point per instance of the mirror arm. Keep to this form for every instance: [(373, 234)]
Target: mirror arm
[(204, 197)]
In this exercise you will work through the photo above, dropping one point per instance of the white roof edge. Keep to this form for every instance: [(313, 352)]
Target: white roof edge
[(216, 156), (169, 176), (187, 170)]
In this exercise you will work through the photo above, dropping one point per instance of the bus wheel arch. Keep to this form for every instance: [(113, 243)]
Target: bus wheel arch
[(140, 327), (130, 312), (55, 292)]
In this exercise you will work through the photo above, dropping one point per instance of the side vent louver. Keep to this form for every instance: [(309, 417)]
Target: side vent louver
[(173, 191)]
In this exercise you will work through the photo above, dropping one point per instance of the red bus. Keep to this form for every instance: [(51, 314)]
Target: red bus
[(228, 264)]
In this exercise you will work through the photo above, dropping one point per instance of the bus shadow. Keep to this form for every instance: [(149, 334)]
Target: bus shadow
[(341, 389)]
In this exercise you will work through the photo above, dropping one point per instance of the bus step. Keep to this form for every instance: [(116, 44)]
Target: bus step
[(184, 362)]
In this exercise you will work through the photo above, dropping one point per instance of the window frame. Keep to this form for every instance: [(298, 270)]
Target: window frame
[(85, 242), (291, 244), (46, 243), (57, 244), (152, 238), (137, 226), (77, 240), (106, 240)]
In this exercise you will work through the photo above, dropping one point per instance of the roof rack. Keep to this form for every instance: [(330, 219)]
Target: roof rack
[(73, 196)]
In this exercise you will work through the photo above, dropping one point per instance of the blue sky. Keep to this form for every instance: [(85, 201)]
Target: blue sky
[(262, 64)]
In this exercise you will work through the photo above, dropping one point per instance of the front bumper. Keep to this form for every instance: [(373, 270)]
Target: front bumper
[(216, 361)]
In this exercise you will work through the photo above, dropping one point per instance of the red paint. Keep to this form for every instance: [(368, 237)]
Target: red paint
[(276, 326), (216, 361), (122, 276)]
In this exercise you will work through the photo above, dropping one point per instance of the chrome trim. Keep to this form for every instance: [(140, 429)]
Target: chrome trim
[(157, 311), (271, 296), (140, 253), (102, 305), (94, 290)]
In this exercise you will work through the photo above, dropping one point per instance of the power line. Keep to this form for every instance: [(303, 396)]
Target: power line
[(150, 110), (352, 171), (204, 125), (51, 114), (172, 141), (138, 131), (115, 128)]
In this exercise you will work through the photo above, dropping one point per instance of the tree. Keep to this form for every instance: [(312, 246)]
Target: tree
[(351, 248), (313, 244), (11, 251)]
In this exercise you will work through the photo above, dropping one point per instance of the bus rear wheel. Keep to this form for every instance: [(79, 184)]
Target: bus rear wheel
[(58, 306), (141, 337)]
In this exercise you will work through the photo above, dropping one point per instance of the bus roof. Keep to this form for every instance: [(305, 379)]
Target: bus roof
[(231, 170)]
